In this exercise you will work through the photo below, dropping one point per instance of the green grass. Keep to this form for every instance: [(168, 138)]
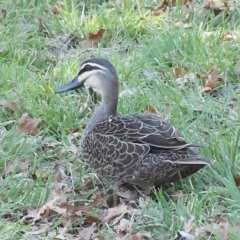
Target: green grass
[(34, 63)]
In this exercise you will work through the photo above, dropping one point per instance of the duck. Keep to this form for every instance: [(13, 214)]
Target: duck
[(140, 149)]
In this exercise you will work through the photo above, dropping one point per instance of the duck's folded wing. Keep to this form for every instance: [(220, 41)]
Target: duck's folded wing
[(144, 128)]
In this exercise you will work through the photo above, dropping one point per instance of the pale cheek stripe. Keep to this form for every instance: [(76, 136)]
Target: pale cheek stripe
[(86, 75), (93, 65)]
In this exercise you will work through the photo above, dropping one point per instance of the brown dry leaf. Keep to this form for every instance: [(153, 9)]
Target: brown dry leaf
[(85, 208), (237, 181), (28, 125), (71, 130), (228, 36), (97, 36), (45, 209), (215, 6), (218, 6), (171, 3), (219, 229), (205, 89), (56, 8), (157, 13), (116, 211), (93, 218), (151, 109), (8, 104), (214, 80), (42, 213), (177, 72), (136, 237), (93, 38), (40, 25), (86, 233)]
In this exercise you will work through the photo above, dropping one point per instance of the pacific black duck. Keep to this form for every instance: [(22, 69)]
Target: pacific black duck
[(139, 149)]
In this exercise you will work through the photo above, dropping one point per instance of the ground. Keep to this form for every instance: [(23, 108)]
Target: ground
[(179, 61)]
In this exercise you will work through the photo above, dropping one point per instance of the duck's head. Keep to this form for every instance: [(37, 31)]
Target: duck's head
[(97, 73)]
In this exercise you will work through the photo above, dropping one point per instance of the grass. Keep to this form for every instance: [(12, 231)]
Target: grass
[(33, 63)]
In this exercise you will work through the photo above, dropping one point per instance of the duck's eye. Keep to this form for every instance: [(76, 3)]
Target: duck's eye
[(87, 68)]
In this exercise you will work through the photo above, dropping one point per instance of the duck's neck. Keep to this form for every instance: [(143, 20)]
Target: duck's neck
[(109, 103), (107, 108)]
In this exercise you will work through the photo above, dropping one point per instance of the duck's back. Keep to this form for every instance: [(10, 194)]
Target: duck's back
[(140, 148)]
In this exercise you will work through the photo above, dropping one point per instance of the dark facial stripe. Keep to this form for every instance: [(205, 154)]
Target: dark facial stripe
[(88, 68)]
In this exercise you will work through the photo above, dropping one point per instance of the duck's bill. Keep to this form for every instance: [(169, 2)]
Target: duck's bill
[(73, 85)]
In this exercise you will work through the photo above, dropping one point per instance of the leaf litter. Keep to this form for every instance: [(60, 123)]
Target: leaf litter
[(210, 81), (28, 125), (69, 212), (8, 104)]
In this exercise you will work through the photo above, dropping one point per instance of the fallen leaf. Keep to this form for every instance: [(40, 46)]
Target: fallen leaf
[(219, 229), (177, 72), (56, 8), (216, 8), (157, 13), (92, 39), (71, 130), (8, 104), (116, 211), (228, 36), (205, 89), (171, 3), (84, 208), (42, 213), (28, 125), (97, 36), (45, 209), (86, 233), (136, 237), (151, 109), (237, 181), (214, 80), (93, 218)]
